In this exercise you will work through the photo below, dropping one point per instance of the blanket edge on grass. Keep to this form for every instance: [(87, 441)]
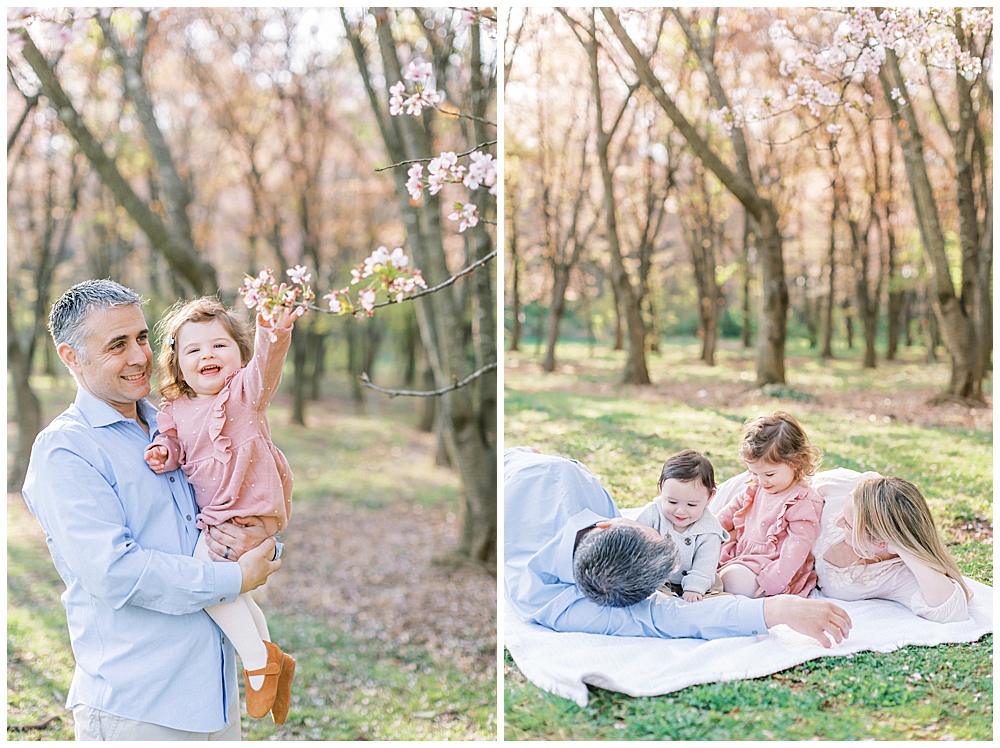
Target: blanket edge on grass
[(564, 664)]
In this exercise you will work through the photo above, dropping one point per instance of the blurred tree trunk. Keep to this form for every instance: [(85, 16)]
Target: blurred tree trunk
[(702, 234), (317, 350), (51, 250), (957, 314), (468, 422), (831, 261), (774, 291), (563, 248), (909, 300), (172, 240), (619, 344), (867, 306), (746, 274), (894, 288), (515, 265), (636, 371), (847, 312)]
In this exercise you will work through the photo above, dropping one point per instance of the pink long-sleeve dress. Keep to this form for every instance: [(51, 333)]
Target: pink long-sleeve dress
[(223, 442), (772, 535)]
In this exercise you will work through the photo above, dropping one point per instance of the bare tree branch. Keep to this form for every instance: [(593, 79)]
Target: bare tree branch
[(432, 393)]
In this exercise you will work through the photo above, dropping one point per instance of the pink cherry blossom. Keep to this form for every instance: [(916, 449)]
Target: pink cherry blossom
[(414, 185), (299, 274), (379, 257), (468, 216), (419, 72), (483, 168), (398, 258), (366, 298), (396, 92), (335, 306)]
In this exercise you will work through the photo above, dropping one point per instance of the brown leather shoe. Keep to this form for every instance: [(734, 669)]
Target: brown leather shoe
[(283, 697), (259, 701)]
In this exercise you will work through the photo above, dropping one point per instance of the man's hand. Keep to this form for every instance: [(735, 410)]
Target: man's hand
[(156, 457), (257, 566), (692, 597), (819, 619), (238, 535)]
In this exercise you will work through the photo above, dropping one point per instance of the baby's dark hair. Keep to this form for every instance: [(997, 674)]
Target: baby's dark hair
[(779, 439), (688, 466)]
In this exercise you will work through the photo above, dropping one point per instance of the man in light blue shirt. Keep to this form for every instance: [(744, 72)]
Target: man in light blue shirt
[(150, 663), (551, 504)]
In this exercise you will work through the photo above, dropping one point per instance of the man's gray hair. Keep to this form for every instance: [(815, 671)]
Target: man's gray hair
[(67, 319), (620, 565)]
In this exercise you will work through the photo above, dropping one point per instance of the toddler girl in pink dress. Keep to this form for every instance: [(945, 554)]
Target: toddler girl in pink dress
[(773, 523), (216, 382)]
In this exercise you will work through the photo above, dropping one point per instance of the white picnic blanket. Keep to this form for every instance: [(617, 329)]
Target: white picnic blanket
[(565, 663)]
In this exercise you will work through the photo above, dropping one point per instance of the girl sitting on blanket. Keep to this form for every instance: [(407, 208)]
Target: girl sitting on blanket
[(885, 546), (775, 521), (217, 381)]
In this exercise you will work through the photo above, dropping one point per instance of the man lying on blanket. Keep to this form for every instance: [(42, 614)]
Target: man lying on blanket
[(551, 504)]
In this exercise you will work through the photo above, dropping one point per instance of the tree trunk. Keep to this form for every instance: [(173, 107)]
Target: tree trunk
[(619, 336), (467, 429), (894, 302), (635, 363), (866, 308), (774, 300), (515, 282), (831, 287), (957, 328), (560, 282), (774, 291), (27, 410), (748, 240)]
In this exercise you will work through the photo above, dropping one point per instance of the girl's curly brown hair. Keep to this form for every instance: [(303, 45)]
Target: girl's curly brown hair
[(168, 369), (779, 439)]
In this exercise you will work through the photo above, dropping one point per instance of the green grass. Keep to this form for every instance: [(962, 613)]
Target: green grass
[(347, 686), (623, 434)]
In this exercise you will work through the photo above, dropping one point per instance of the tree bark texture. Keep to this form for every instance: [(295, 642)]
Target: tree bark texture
[(469, 431), (774, 291), (636, 371), (957, 327)]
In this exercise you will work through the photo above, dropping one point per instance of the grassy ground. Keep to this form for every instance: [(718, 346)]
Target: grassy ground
[(389, 643), (875, 420)]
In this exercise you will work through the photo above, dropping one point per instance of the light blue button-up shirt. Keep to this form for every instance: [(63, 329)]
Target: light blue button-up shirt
[(121, 538), (547, 501)]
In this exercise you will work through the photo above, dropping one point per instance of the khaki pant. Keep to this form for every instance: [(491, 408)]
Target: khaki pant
[(93, 724), (675, 590)]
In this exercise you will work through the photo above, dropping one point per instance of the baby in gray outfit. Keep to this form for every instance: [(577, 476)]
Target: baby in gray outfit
[(687, 484)]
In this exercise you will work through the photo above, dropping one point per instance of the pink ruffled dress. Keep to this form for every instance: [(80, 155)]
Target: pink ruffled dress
[(223, 443), (772, 534)]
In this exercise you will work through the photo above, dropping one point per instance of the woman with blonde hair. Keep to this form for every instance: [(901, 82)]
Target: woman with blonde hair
[(885, 545)]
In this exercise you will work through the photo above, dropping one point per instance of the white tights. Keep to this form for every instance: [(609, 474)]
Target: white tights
[(739, 580), (243, 622)]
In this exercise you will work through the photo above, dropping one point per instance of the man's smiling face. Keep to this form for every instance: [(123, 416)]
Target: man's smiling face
[(117, 362)]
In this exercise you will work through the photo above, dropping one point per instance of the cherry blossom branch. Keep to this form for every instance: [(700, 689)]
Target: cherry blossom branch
[(418, 294), (469, 152), (463, 115), (432, 393)]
